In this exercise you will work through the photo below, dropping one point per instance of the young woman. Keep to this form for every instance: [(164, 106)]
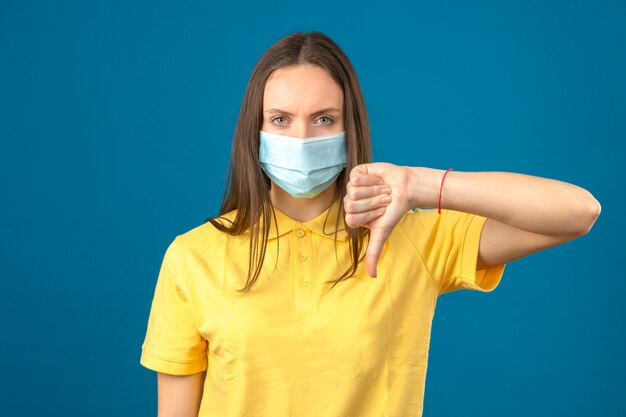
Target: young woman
[(271, 309)]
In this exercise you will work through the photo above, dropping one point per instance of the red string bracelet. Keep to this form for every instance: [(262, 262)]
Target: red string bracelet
[(441, 189)]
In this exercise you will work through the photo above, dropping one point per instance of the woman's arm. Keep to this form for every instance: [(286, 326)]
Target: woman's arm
[(524, 213), (179, 396)]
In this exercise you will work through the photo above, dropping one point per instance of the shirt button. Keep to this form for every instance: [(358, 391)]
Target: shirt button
[(304, 282), (303, 257), (299, 232)]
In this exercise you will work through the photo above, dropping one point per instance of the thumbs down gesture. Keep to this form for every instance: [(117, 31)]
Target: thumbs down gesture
[(377, 196)]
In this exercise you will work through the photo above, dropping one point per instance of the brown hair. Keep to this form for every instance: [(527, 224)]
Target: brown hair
[(248, 186)]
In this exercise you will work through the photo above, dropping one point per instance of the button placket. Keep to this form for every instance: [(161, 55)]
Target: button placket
[(303, 269)]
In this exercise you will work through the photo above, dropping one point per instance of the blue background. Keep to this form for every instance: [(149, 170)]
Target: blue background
[(116, 120)]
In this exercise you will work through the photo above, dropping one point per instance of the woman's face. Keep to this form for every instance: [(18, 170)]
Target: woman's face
[(302, 101)]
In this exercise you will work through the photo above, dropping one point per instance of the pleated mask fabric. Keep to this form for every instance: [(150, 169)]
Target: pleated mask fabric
[(304, 167)]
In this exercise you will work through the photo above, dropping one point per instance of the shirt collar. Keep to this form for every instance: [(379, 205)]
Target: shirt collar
[(286, 224)]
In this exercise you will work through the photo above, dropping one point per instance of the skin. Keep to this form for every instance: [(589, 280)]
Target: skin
[(525, 214), (300, 93), (179, 395)]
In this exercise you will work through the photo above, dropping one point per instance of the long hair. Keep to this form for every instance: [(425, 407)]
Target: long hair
[(248, 186)]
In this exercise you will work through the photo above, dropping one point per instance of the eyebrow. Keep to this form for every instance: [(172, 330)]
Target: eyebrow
[(327, 110)]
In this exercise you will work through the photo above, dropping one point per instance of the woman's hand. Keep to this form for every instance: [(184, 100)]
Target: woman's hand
[(377, 196), (524, 213)]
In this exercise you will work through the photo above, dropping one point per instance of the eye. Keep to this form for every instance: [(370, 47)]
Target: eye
[(330, 121), (277, 118)]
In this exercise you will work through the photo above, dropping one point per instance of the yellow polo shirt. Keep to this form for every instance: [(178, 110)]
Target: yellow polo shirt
[(289, 347)]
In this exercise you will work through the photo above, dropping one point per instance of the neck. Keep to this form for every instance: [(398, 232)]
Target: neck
[(302, 209)]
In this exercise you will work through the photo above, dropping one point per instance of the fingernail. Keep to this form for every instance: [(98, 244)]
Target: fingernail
[(380, 210), (385, 199), (386, 190)]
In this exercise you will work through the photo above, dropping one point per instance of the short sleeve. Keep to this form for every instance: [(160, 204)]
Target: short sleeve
[(172, 343), (448, 244)]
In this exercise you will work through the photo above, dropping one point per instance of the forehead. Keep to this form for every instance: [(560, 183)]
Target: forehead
[(302, 88)]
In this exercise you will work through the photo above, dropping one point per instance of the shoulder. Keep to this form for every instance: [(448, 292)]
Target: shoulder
[(418, 218), (203, 240), (429, 218), (428, 225)]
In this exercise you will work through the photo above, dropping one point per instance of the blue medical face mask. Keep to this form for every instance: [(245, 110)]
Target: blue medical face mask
[(303, 167)]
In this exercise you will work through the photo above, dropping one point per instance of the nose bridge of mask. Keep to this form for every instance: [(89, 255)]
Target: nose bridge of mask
[(307, 154)]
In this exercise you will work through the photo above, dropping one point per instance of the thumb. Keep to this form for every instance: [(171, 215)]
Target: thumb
[(379, 169), (377, 240)]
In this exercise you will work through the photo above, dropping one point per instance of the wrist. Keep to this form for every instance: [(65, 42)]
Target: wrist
[(426, 183)]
